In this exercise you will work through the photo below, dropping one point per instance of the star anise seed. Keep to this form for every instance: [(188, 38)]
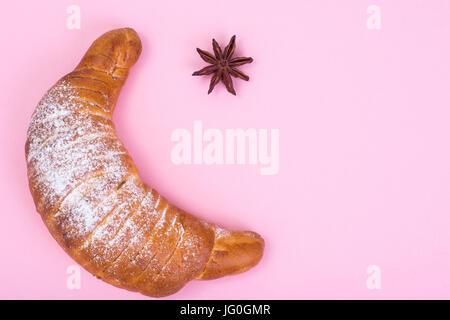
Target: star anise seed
[(222, 65)]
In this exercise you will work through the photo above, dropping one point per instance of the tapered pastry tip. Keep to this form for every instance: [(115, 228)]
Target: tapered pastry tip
[(234, 252)]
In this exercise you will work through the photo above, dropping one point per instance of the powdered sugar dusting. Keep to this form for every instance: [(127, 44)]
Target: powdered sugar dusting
[(99, 243), (81, 178), (222, 233), (66, 145), (84, 208)]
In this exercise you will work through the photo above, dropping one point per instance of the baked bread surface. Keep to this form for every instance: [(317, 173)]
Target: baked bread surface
[(88, 192)]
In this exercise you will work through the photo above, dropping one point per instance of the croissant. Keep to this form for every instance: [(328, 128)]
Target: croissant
[(88, 192)]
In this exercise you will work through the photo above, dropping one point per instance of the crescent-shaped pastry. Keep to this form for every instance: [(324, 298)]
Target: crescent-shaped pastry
[(89, 194)]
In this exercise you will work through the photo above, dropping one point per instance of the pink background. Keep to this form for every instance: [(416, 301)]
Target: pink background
[(363, 115)]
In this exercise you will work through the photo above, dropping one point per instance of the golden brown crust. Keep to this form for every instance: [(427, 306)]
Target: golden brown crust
[(88, 192)]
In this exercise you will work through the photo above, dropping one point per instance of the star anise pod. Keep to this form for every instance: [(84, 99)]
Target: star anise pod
[(222, 65)]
